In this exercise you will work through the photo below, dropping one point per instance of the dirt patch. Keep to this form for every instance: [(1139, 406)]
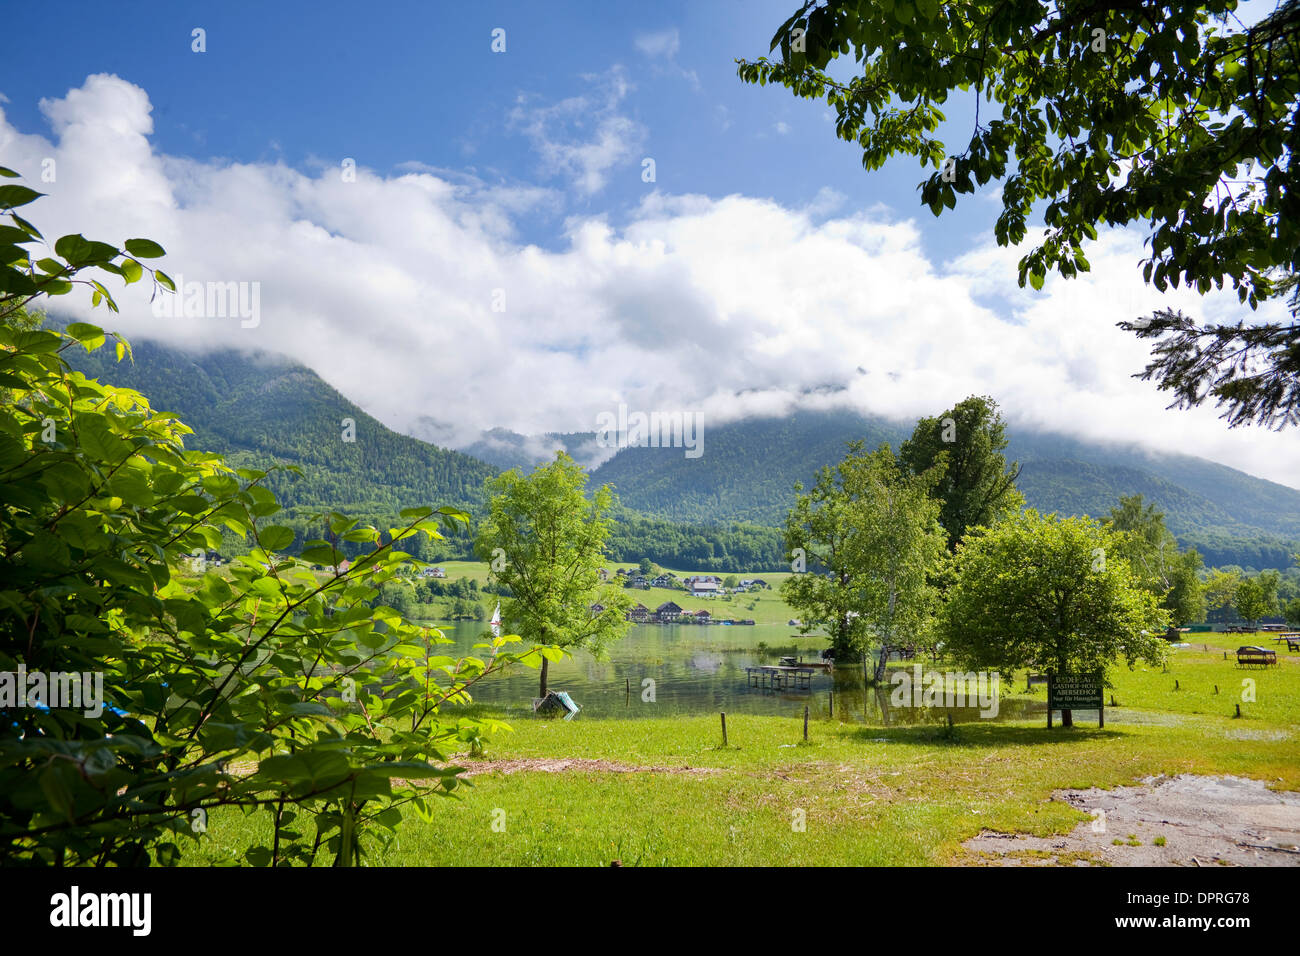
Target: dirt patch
[(574, 765), (1203, 821)]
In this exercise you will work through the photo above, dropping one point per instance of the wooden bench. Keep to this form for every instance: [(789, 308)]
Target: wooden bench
[(1251, 656)]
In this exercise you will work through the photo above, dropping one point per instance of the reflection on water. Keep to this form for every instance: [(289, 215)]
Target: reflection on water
[(666, 670)]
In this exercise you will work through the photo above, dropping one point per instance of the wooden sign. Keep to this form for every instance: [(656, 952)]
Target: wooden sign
[(1076, 692)]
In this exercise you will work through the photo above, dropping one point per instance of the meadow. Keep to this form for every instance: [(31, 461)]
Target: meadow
[(666, 791)]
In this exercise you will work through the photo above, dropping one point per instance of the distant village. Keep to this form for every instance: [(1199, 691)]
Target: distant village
[(670, 612)]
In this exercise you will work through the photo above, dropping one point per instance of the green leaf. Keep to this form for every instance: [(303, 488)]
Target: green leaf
[(144, 248), (91, 336), (276, 537), (14, 196)]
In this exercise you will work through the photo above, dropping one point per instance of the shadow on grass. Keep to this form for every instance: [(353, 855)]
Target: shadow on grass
[(980, 735)]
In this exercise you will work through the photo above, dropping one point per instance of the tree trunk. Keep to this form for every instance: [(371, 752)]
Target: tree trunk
[(1067, 718), (545, 662), (882, 663)]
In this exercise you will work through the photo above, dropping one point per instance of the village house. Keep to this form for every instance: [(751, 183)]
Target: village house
[(668, 613), (666, 580), (603, 574), (639, 614), (596, 609), (703, 587), (703, 617)]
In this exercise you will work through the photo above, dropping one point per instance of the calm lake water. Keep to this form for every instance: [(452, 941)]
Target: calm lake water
[(701, 670)]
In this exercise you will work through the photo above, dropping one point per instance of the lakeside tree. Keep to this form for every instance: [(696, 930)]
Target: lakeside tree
[(964, 447), (174, 672), (1051, 593), (1291, 613), (1152, 551), (1178, 117), (544, 539), (1256, 596), (867, 538)]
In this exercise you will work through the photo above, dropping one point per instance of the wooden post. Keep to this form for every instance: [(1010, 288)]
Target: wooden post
[(1049, 700), (627, 698), (805, 723), (1239, 710), (724, 728), (1101, 715), (832, 705)]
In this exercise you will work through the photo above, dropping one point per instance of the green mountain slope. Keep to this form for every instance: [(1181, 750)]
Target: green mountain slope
[(262, 410), (749, 467), (715, 512)]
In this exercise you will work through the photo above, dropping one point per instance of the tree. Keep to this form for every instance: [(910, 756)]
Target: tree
[(730, 581), (964, 445), (1291, 613), (1052, 593), (183, 671), (645, 566), (1257, 596), (866, 539), (1152, 551), (1220, 588), (545, 541), (1116, 112)]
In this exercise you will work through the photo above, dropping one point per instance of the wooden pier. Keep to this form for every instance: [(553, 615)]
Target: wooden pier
[(782, 676)]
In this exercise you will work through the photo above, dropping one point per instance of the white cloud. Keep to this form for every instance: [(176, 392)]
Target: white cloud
[(583, 138), (724, 306), (664, 43), (661, 47)]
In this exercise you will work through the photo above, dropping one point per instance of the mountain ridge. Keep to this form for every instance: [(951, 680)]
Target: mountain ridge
[(258, 409)]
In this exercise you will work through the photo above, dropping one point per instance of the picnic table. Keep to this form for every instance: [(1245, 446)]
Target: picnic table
[(1252, 656)]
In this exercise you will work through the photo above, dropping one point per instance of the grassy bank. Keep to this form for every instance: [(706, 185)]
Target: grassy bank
[(666, 791)]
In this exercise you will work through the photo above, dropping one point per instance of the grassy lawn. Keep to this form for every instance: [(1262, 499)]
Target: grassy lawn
[(867, 795)]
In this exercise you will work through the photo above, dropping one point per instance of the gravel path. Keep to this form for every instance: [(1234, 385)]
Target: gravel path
[(1205, 821)]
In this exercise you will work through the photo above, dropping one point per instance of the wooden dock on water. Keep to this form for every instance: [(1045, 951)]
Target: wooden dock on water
[(781, 676)]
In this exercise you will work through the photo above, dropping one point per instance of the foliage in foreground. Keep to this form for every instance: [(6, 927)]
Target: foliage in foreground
[(267, 689)]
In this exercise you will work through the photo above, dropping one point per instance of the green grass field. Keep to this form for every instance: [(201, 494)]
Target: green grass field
[(762, 606), (665, 790)]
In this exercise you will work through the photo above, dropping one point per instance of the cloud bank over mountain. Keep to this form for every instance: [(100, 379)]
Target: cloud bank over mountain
[(412, 294)]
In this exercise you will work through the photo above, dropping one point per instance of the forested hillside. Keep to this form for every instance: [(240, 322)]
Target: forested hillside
[(749, 467), (716, 512), (261, 410)]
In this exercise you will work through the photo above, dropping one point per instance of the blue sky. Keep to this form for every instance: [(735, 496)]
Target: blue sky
[(417, 82), (499, 261)]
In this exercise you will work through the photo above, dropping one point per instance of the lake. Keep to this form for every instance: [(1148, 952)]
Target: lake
[(667, 670)]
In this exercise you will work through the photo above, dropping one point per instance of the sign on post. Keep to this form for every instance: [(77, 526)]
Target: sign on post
[(1076, 692)]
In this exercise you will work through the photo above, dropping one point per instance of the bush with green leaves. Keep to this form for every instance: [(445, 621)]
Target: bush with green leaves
[(262, 685)]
